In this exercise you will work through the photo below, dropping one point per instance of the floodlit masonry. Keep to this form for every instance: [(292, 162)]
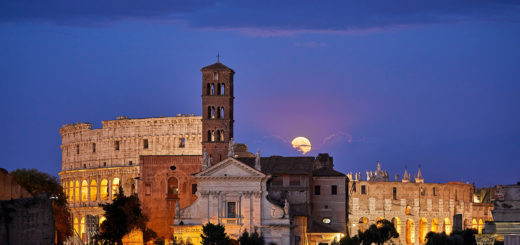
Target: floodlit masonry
[(95, 162), (414, 207)]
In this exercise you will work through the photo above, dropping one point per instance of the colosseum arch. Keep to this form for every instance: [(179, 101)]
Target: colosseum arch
[(76, 191), (363, 223), (410, 232), (435, 225), (447, 226), (480, 226), (103, 190), (71, 191), (76, 225), (93, 190), (397, 224), (467, 224), (115, 187), (423, 230), (474, 224), (82, 227)]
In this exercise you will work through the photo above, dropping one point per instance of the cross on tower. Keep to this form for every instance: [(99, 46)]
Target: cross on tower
[(218, 57)]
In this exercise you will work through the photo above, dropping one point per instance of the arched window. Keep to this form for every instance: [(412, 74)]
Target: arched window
[(212, 136), (212, 90), (84, 191), (407, 210), (222, 135), (363, 224), (115, 187), (71, 191), (218, 112), (397, 224), (76, 225), (467, 224), (447, 226), (423, 229), (173, 187), (221, 112), (474, 224), (480, 226), (208, 89), (223, 89), (410, 232), (82, 227), (93, 190), (209, 111), (103, 190), (435, 225), (212, 112), (209, 135), (218, 136), (218, 88), (76, 191), (101, 219)]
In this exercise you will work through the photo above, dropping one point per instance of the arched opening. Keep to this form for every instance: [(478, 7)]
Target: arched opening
[(480, 226), (363, 224), (397, 224), (173, 187), (218, 88), (474, 224), (84, 191), (423, 229), (103, 190), (212, 135), (101, 220), (76, 191), (379, 221), (218, 136), (222, 135), (93, 190), (207, 89), (115, 187), (447, 226), (76, 226), (215, 76), (218, 112), (71, 191), (223, 89), (435, 225), (407, 210), (209, 111), (222, 112), (82, 227), (212, 92), (410, 231), (212, 112), (467, 224), (209, 135)]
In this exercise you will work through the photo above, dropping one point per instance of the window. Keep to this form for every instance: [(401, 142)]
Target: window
[(434, 191), (173, 186), (93, 147), (394, 193), (212, 91), (130, 163), (115, 187), (207, 89), (84, 191), (231, 209), (77, 149), (84, 165), (218, 136), (193, 188), (104, 164), (145, 144), (363, 190), (278, 181), (93, 190), (294, 180), (326, 220), (215, 76), (212, 112), (223, 89), (317, 190), (103, 189), (182, 143), (423, 191), (334, 190), (147, 189), (116, 145)]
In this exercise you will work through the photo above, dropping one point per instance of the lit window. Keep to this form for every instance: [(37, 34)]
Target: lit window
[(326, 220)]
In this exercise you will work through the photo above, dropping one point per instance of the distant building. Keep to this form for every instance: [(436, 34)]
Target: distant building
[(414, 207), (506, 213)]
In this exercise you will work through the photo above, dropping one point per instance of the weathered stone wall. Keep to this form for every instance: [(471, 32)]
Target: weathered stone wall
[(9, 189), (26, 221), (329, 207)]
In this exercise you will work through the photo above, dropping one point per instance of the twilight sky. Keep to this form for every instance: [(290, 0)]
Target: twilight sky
[(406, 82)]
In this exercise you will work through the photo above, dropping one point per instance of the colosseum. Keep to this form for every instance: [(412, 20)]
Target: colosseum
[(95, 162), (414, 207)]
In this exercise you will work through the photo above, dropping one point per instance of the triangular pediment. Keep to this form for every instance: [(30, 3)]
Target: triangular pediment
[(230, 167)]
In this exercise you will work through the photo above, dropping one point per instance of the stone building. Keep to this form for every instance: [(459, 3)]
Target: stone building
[(506, 214), (414, 207), (95, 162)]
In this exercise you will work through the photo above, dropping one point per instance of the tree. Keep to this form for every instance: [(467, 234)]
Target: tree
[(377, 233), (214, 235), (123, 215), (36, 183), (465, 237), (253, 239)]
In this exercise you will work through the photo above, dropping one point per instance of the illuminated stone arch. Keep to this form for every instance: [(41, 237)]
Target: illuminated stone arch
[(173, 187), (82, 227), (480, 226), (76, 225), (397, 224), (101, 219), (407, 210), (447, 226), (93, 190), (84, 191), (474, 224), (467, 224), (103, 190), (363, 223), (71, 191), (410, 231), (378, 220), (115, 187), (76, 191), (423, 229), (435, 225)]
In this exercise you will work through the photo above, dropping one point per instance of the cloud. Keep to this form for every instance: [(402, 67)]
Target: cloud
[(271, 18), (339, 136)]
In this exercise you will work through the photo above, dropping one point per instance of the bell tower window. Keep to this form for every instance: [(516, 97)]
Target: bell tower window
[(212, 112), (212, 90), (222, 112), (215, 76), (222, 89)]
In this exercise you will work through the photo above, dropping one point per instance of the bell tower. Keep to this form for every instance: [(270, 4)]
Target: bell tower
[(217, 110)]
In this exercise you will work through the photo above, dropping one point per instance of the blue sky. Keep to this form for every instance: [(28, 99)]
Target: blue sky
[(409, 83)]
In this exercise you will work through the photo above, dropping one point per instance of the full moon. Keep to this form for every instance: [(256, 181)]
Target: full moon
[(301, 144)]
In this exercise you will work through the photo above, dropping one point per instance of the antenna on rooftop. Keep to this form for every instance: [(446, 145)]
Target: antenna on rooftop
[(218, 57)]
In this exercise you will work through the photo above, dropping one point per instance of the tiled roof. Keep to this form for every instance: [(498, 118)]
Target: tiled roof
[(326, 172), (282, 165), (217, 66)]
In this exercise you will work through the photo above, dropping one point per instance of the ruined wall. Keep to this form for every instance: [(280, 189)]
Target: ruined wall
[(9, 189)]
